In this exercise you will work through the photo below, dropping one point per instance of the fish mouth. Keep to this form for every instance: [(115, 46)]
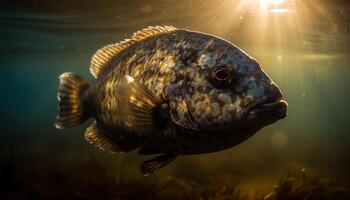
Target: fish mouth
[(269, 110), (260, 114)]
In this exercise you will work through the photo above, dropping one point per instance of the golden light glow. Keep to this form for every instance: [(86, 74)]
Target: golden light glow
[(277, 33), (129, 79), (271, 2), (278, 30), (279, 10), (274, 6)]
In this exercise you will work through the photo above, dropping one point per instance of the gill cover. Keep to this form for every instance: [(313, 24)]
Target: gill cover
[(179, 109)]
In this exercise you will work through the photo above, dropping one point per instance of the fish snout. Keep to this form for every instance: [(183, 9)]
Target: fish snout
[(270, 108)]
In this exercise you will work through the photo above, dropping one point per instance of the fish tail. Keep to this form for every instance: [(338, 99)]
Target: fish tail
[(70, 100)]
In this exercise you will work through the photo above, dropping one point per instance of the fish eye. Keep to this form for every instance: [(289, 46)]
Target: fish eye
[(221, 76)]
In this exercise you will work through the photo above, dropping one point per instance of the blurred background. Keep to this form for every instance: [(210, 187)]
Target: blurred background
[(303, 45)]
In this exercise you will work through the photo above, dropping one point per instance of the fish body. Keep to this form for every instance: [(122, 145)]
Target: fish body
[(172, 92)]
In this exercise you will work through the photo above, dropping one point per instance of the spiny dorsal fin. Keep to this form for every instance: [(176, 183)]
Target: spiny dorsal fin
[(96, 136), (101, 58)]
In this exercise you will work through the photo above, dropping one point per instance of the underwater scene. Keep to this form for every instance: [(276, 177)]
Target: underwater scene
[(302, 45)]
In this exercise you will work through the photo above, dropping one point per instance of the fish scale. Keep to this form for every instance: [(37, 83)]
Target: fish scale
[(172, 92)]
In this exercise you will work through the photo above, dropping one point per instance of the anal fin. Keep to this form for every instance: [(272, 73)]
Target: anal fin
[(96, 136), (153, 165)]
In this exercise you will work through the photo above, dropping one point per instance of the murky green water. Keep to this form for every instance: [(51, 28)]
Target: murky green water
[(305, 51)]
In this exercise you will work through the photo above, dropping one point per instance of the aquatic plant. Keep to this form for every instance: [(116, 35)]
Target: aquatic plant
[(300, 185), (96, 181)]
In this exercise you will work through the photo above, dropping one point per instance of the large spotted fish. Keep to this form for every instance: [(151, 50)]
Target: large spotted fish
[(171, 92)]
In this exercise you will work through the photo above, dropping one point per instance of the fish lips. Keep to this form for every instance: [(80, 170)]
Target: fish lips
[(268, 111)]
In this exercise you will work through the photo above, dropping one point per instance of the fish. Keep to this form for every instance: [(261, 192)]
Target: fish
[(170, 92)]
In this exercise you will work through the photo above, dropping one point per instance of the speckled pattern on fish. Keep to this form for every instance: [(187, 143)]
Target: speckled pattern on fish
[(174, 92)]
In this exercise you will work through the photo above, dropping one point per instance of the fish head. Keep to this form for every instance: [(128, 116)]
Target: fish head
[(225, 91)]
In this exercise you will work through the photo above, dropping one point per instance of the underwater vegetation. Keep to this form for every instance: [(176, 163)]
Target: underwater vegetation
[(299, 185), (95, 181)]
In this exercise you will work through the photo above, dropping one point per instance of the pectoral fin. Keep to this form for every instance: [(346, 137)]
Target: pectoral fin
[(153, 165), (138, 106)]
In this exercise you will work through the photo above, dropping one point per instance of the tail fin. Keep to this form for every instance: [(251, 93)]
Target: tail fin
[(70, 91)]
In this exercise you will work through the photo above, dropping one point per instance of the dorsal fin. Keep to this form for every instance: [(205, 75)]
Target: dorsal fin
[(101, 58)]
